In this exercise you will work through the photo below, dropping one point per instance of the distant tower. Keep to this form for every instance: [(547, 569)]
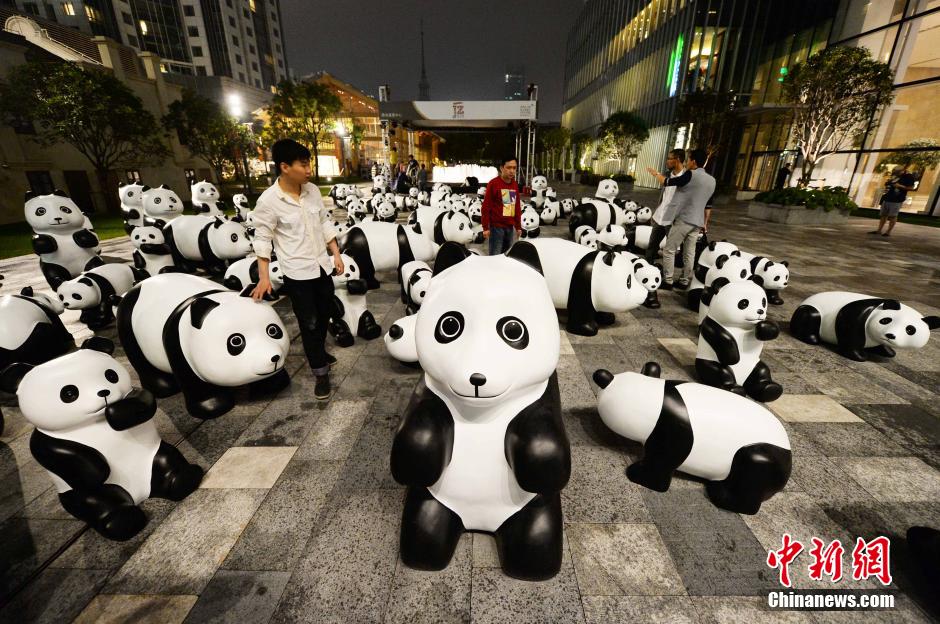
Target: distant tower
[(424, 88), (514, 85)]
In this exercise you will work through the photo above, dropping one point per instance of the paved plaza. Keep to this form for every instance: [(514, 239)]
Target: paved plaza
[(298, 516)]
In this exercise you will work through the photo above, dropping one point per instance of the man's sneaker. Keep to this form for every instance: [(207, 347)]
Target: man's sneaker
[(330, 359), (682, 284), (322, 389), (665, 286)]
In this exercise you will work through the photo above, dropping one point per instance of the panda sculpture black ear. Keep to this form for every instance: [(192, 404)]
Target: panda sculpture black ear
[(933, 322), (30, 194), (891, 304), (12, 375), (218, 222), (718, 284), (651, 369), (526, 253), (144, 188), (451, 253), (164, 186), (60, 193), (27, 291), (736, 252), (720, 260), (97, 343), (711, 246), (757, 279), (785, 263), (199, 310), (603, 377), (609, 258), (86, 282)]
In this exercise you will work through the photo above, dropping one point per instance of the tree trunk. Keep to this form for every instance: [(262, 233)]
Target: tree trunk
[(807, 172), (107, 185), (316, 162)]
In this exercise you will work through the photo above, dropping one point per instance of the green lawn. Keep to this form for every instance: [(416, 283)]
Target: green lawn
[(15, 237)]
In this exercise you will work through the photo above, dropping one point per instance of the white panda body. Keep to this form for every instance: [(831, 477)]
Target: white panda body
[(613, 236), (20, 318), (76, 294), (558, 264), (57, 217), (130, 195), (749, 348), (830, 303), (242, 272), (228, 240), (205, 198)]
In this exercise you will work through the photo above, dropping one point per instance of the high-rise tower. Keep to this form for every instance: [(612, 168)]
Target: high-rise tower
[(424, 88)]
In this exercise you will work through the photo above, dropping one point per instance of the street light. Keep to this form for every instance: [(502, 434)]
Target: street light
[(234, 103)]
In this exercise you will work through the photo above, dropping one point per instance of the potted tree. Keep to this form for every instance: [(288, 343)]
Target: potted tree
[(621, 136)]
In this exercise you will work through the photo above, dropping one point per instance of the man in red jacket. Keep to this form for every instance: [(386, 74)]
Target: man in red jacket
[(501, 208)]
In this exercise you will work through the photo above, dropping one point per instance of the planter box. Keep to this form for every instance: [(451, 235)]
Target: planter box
[(794, 215)]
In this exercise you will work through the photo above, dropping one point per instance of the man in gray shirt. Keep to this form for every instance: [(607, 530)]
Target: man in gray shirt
[(694, 189)]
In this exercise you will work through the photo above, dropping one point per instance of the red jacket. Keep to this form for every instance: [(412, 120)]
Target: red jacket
[(501, 205)]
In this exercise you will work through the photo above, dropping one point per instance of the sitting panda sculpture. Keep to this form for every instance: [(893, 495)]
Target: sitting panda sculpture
[(161, 205), (184, 333), (541, 192), (95, 435), (587, 236), (242, 207), (380, 184), (378, 246), (352, 317), (415, 278), (706, 260), (130, 195), (30, 328), (590, 285), (62, 238), (530, 224), (206, 199), (548, 213), (206, 242), (733, 268), (242, 275), (859, 325), (97, 290), (650, 278), (731, 339), (482, 446), (152, 254), (411, 200), (772, 275), (738, 446), (566, 206), (644, 215), (386, 211)]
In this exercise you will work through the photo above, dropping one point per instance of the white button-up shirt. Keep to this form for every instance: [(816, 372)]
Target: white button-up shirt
[(663, 216), (296, 230)]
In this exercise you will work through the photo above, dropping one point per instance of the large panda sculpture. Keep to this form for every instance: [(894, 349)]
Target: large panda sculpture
[(30, 328), (590, 285), (706, 260), (731, 339), (96, 291), (859, 325), (161, 205), (62, 237), (482, 446), (184, 333), (206, 199), (772, 275), (96, 436), (130, 195), (151, 253), (599, 211), (529, 219), (415, 278), (352, 317), (377, 246), (206, 242), (242, 275), (738, 446)]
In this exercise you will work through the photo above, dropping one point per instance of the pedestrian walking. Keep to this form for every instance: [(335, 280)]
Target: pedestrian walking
[(900, 182)]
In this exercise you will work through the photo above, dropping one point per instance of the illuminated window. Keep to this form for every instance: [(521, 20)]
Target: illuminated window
[(251, 5), (143, 31), (92, 14), (68, 9), (163, 68)]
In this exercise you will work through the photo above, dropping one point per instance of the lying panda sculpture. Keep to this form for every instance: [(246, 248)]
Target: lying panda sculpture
[(206, 242), (184, 333), (152, 254), (415, 278), (482, 446), (738, 446), (242, 275), (858, 325), (96, 436), (63, 238), (612, 237), (599, 211), (352, 312), (130, 195), (96, 291), (30, 328), (378, 246)]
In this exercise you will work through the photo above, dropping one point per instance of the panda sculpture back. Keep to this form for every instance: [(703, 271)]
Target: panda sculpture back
[(30, 329), (96, 436), (482, 445), (63, 238), (737, 445)]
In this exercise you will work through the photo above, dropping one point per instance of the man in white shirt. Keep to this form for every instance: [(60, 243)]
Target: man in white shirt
[(662, 218), (289, 216)]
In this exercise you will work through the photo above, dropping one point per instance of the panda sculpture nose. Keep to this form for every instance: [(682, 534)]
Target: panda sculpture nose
[(275, 358), (104, 393), (477, 380)]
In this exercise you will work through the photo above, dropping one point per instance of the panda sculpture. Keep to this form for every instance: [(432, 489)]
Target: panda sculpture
[(772, 275), (380, 184), (704, 261), (205, 199), (342, 230), (599, 211), (643, 214), (548, 213), (352, 317), (649, 276), (439, 195), (424, 198), (184, 333), (30, 328), (242, 207), (386, 212), (151, 253), (541, 191), (338, 194), (590, 285), (97, 290), (482, 446), (738, 446), (733, 268), (160, 205), (566, 206), (95, 435), (530, 223), (130, 194), (206, 242), (415, 278), (411, 200), (859, 325), (400, 342), (629, 205), (242, 275), (587, 236), (357, 210), (377, 246), (442, 226), (62, 238), (612, 237), (731, 338)]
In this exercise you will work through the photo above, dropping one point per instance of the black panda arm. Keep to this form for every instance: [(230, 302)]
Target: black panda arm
[(139, 261), (132, 214), (78, 465), (137, 407), (85, 239), (718, 338), (156, 249), (424, 441), (537, 447), (43, 243), (850, 327), (766, 330)]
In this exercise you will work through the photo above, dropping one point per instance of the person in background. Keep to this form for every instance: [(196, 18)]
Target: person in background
[(783, 175), (423, 178), (501, 208), (895, 195), (401, 182), (662, 219)]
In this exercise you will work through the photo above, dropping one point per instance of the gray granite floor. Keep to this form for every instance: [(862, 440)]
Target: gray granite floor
[(299, 516)]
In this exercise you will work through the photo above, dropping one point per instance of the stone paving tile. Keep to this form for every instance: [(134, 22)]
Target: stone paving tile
[(55, 596), (893, 478), (599, 490), (849, 439), (107, 609), (233, 596), (497, 598), (630, 609), (244, 467), (745, 610), (429, 597), (811, 408), (825, 482), (27, 543), (367, 465), (335, 431), (906, 425)]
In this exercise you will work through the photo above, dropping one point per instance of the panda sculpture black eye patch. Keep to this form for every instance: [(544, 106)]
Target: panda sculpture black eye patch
[(111, 375), (274, 331), (743, 304), (68, 394), (513, 332), (885, 321), (235, 344), (449, 327)]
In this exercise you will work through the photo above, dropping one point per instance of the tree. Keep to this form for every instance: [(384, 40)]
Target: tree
[(835, 93), (926, 156), (206, 130), (712, 119), (89, 109), (305, 112), (621, 136), (555, 140)]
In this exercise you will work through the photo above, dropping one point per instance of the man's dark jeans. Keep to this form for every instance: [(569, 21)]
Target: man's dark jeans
[(656, 238), (501, 239), (312, 300)]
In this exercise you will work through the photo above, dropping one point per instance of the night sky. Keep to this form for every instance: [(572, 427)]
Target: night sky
[(468, 45)]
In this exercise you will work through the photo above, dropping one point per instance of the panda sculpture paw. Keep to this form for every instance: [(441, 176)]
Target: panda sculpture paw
[(883, 351), (649, 476), (529, 542), (652, 301), (773, 297), (341, 334), (108, 509), (583, 328), (368, 328), (605, 318)]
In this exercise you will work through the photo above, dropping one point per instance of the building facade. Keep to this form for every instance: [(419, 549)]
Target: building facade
[(514, 87)]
